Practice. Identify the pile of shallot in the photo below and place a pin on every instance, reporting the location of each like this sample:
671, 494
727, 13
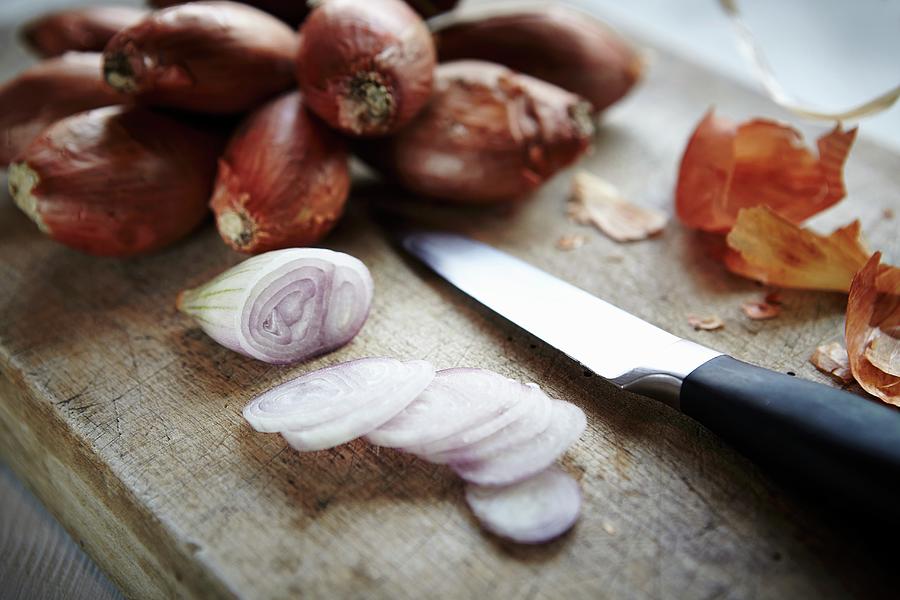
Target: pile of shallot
226, 105
499, 435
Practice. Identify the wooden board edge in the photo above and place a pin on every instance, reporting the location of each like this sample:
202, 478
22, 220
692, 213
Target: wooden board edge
92, 504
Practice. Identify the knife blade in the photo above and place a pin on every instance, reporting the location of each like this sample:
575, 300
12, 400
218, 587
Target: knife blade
818, 436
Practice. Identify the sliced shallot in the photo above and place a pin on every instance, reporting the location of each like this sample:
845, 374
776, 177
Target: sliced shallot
456, 401
284, 306
330, 394
532, 511
522, 460
526, 420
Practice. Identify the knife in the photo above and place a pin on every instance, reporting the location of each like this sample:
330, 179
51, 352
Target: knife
820, 437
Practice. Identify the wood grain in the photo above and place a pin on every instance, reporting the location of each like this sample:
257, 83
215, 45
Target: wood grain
125, 418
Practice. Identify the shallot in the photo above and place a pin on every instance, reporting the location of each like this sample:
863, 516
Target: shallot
284, 306
532, 511
85, 29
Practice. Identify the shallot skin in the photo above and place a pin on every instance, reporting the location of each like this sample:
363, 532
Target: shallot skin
488, 135
48, 91
366, 68
210, 57
560, 45
283, 180
116, 181
86, 29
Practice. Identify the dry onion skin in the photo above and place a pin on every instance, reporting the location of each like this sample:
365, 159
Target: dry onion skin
283, 180
832, 359
284, 306
597, 202
872, 331
209, 57
706, 322
760, 310
768, 248
559, 44
532, 511
727, 167
366, 68
488, 135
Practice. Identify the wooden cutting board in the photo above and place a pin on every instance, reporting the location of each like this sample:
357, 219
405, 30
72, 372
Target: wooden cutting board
125, 418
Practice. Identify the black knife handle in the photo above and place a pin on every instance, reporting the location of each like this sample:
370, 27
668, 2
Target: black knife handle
820, 437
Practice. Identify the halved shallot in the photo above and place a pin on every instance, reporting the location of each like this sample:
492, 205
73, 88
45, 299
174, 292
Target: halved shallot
532, 511
284, 306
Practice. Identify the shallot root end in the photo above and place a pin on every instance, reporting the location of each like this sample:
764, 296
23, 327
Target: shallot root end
22, 181
368, 102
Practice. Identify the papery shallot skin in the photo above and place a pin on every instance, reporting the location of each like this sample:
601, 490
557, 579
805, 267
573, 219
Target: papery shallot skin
366, 68
48, 91
86, 29
283, 180
560, 45
488, 135
117, 181
210, 57
284, 306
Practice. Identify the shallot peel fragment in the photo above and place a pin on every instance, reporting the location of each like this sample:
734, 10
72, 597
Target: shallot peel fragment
488, 135
282, 181
531, 511
560, 45
85, 29
366, 68
117, 181
47, 92
284, 306
210, 57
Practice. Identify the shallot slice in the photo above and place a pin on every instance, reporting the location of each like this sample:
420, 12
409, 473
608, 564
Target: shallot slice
456, 401
528, 418
532, 511
381, 401
517, 462
331, 393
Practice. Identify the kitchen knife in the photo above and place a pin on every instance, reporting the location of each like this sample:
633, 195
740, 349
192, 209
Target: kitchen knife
820, 436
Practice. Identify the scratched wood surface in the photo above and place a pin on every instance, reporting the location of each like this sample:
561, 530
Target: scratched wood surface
125, 418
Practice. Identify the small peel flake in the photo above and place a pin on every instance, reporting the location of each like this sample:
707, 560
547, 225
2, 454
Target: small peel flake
570, 242
760, 310
595, 201
727, 167
832, 359
767, 247
705, 323
872, 330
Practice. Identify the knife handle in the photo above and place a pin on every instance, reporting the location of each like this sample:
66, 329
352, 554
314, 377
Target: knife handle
818, 436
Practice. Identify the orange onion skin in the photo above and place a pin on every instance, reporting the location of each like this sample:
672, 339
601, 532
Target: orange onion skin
283, 179
48, 91
86, 29
209, 57
488, 135
560, 45
118, 181
365, 68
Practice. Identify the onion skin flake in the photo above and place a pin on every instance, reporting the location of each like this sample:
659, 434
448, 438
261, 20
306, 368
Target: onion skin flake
728, 167
284, 306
